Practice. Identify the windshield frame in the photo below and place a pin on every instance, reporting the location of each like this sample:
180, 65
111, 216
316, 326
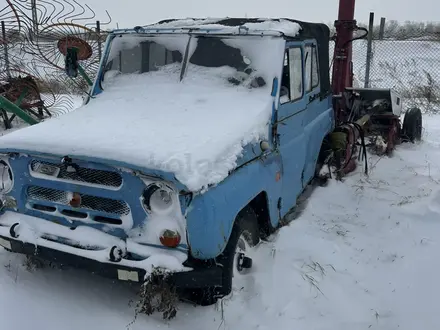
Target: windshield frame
97, 87
104, 61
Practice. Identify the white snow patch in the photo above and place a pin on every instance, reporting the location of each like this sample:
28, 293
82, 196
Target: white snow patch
153, 228
267, 66
130, 41
287, 27
164, 261
31, 229
37, 231
159, 220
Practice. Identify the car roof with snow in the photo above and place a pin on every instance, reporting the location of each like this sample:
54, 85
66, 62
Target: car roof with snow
286, 28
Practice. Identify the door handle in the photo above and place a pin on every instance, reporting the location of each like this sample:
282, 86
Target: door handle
313, 97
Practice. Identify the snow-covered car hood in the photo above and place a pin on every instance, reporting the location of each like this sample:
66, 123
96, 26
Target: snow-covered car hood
195, 129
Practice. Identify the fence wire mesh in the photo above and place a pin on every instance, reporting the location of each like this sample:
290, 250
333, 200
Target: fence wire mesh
406, 58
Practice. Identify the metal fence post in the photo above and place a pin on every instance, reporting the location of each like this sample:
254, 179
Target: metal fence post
382, 28
98, 31
34, 17
5, 49
369, 52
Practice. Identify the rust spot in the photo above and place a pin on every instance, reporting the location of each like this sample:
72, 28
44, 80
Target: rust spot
76, 200
278, 176
85, 51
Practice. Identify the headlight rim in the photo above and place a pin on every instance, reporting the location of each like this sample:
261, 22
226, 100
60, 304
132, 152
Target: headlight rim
149, 192
8, 169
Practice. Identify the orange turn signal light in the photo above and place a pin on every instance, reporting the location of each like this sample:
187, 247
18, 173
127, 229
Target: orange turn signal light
170, 238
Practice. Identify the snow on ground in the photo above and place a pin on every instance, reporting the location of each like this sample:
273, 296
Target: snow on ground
364, 254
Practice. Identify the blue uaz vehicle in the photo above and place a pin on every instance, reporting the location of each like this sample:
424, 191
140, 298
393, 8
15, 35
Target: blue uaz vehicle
196, 141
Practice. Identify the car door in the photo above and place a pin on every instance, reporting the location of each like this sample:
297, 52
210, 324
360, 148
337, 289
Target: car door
315, 118
290, 118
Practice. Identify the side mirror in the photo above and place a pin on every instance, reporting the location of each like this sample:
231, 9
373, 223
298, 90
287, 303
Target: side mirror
71, 62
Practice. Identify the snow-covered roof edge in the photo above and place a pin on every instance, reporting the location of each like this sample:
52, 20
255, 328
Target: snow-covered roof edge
256, 26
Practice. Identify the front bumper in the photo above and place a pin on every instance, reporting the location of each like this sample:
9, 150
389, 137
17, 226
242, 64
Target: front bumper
30, 241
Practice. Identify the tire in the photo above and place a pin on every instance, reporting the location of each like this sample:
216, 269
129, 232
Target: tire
245, 226
412, 126
324, 153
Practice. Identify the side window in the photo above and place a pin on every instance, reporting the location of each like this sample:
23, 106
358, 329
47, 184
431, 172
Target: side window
285, 85
311, 67
315, 68
308, 67
292, 79
295, 70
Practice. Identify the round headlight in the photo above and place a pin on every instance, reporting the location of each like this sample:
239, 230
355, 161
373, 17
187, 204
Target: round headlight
6, 181
158, 199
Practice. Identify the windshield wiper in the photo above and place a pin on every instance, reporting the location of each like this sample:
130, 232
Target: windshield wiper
185, 58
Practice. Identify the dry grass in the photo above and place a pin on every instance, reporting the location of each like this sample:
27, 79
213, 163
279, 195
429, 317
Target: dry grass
156, 295
315, 268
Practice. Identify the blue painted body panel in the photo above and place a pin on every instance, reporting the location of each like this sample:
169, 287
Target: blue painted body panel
95, 162
317, 124
301, 128
290, 128
211, 215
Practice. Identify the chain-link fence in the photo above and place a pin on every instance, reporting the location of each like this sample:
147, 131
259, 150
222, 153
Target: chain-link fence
405, 57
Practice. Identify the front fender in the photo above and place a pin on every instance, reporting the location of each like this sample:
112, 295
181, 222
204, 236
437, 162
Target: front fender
211, 215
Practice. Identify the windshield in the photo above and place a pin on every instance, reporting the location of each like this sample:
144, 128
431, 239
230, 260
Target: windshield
139, 54
235, 60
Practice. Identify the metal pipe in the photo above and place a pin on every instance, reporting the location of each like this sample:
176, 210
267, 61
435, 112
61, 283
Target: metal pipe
98, 31
342, 76
83, 73
346, 10
13, 108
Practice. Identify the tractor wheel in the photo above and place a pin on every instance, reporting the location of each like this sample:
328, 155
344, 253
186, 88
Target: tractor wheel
412, 126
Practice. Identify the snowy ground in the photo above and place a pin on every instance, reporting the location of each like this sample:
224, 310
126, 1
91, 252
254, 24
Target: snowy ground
363, 255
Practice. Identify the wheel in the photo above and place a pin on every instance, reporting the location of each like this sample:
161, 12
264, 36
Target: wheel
412, 126
236, 263
394, 136
323, 160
